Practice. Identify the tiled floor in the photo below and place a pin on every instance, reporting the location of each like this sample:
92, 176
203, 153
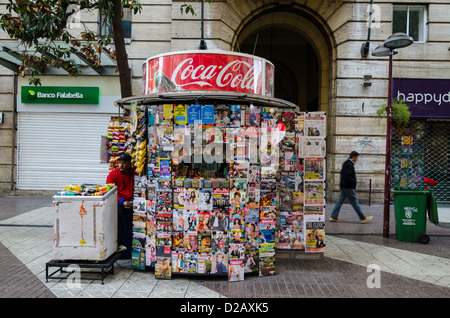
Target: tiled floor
354, 253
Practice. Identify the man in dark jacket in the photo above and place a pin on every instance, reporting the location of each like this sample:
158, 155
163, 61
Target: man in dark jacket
348, 186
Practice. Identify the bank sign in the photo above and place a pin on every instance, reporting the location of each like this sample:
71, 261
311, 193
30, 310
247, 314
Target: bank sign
428, 98
60, 95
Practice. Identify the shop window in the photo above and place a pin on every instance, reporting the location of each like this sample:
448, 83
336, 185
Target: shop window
410, 20
106, 26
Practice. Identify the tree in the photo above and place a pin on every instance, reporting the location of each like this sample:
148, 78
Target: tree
41, 26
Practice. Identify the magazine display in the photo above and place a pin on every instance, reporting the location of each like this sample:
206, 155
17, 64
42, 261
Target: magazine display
223, 186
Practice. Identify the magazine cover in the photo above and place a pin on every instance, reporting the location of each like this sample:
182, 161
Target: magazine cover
150, 253
268, 184
138, 258
177, 261
254, 174
289, 142
314, 193
178, 220
297, 240
253, 196
268, 199
314, 168
190, 242
314, 233
235, 115
236, 236
266, 259
222, 115
314, 209
252, 116
203, 221
219, 263
289, 162
219, 220
204, 241
286, 220
236, 270
313, 147
251, 231
269, 116
178, 241
288, 118
237, 196
219, 242
208, 114
251, 215
190, 262
236, 251
191, 199
221, 197
139, 206
180, 114
163, 269
204, 263
205, 200
267, 231
268, 172
300, 124
315, 124
190, 221
236, 212
297, 221
285, 199
282, 239
140, 186
298, 200
194, 114
267, 212
251, 260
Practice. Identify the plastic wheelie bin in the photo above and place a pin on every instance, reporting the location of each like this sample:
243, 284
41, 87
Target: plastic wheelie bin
411, 214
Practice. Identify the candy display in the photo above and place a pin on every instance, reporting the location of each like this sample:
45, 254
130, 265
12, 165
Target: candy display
85, 190
220, 187
117, 134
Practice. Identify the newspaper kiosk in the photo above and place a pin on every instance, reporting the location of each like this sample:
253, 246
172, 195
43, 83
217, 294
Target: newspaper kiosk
227, 174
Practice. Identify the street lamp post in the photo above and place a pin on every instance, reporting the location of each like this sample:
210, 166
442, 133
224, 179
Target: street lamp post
389, 48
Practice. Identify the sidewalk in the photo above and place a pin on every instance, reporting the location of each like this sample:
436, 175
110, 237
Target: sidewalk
407, 269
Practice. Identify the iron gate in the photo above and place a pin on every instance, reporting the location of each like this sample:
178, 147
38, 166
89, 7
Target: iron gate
422, 150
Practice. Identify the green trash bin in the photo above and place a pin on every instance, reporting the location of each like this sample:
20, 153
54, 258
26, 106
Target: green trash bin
411, 215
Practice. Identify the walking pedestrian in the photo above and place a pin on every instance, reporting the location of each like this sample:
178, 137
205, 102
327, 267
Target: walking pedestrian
348, 190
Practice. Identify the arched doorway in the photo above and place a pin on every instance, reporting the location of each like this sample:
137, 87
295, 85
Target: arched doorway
300, 48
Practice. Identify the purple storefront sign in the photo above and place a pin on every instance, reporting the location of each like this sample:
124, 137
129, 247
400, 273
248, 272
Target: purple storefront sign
425, 97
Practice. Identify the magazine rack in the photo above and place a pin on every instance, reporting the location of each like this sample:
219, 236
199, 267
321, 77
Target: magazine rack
227, 173
285, 203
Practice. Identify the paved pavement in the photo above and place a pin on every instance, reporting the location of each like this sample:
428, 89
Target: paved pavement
358, 263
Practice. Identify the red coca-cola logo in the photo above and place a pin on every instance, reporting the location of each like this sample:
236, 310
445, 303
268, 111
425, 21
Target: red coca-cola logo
207, 71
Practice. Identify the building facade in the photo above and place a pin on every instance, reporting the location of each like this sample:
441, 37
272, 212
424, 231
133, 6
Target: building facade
316, 47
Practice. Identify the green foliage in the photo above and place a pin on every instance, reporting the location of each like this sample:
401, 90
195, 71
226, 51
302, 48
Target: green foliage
187, 8
400, 113
41, 25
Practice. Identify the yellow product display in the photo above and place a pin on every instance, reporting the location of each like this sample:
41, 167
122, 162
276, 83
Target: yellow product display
86, 190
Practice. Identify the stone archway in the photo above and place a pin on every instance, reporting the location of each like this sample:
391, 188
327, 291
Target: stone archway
278, 29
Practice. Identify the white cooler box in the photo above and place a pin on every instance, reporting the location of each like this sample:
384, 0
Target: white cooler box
85, 227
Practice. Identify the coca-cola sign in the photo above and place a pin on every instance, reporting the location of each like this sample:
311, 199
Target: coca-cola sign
208, 70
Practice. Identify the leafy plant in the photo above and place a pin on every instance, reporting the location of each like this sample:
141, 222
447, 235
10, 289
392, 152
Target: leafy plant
41, 26
400, 113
